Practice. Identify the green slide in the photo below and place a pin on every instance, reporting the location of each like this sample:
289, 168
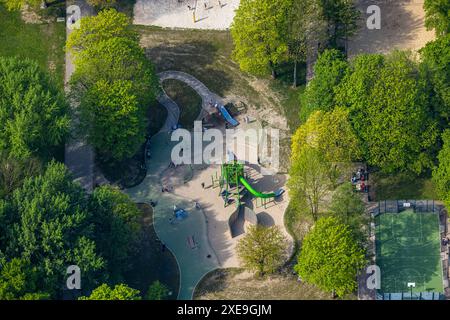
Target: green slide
257, 194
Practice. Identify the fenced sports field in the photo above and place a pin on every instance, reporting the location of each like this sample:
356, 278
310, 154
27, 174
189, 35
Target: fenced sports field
408, 251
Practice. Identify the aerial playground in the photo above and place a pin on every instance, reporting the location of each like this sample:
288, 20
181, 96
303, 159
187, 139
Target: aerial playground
233, 188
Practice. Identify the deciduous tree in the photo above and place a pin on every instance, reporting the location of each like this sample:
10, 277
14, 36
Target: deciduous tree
263, 249
330, 257
119, 292
33, 112
257, 32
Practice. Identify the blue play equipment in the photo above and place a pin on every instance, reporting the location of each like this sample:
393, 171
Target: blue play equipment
233, 122
180, 214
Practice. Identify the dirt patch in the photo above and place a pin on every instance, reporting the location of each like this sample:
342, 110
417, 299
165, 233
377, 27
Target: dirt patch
402, 27
28, 15
236, 284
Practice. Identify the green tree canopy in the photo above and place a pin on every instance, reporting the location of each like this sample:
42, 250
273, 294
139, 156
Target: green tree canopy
263, 249
258, 34
331, 133
342, 17
436, 57
330, 68
310, 180
14, 171
119, 292
117, 59
437, 16
350, 209
18, 281
157, 291
51, 229
441, 173
306, 27
116, 123
106, 25
117, 227
330, 257
391, 110
33, 112
114, 82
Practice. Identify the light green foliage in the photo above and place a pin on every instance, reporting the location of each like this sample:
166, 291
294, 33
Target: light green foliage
51, 228
257, 32
114, 82
119, 292
441, 173
348, 206
330, 68
391, 112
157, 291
331, 133
437, 16
106, 25
18, 281
330, 257
310, 179
17, 4
263, 249
117, 227
117, 123
33, 113
436, 57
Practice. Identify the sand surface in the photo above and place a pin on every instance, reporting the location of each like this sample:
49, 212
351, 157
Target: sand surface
176, 14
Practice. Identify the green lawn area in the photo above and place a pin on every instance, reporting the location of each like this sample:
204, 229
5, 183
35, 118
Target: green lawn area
43, 42
151, 262
188, 100
408, 250
401, 186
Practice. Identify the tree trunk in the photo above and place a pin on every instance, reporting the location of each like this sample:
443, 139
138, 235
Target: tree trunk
294, 85
272, 68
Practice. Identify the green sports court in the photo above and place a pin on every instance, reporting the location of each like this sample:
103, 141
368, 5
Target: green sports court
408, 250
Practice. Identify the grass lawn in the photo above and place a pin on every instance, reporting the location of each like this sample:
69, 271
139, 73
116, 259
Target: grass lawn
151, 262
43, 42
236, 284
401, 186
188, 100
408, 250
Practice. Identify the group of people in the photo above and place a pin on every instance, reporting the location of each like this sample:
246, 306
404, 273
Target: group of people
359, 179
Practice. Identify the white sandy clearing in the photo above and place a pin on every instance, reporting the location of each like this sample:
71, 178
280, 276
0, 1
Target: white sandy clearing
218, 14
402, 27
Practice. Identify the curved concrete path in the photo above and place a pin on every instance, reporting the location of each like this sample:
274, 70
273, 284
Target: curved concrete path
173, 111
193, 263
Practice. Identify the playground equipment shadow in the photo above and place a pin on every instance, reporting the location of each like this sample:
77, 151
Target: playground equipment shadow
187, 239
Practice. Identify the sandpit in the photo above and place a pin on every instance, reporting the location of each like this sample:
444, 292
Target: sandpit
190, 14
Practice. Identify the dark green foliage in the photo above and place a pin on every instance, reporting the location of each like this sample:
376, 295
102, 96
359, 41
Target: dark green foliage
50, 227
330, 68
436, 58
117, 227
33, 113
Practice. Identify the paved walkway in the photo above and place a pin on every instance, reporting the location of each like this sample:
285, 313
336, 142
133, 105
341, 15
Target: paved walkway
173, 111
79, 156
